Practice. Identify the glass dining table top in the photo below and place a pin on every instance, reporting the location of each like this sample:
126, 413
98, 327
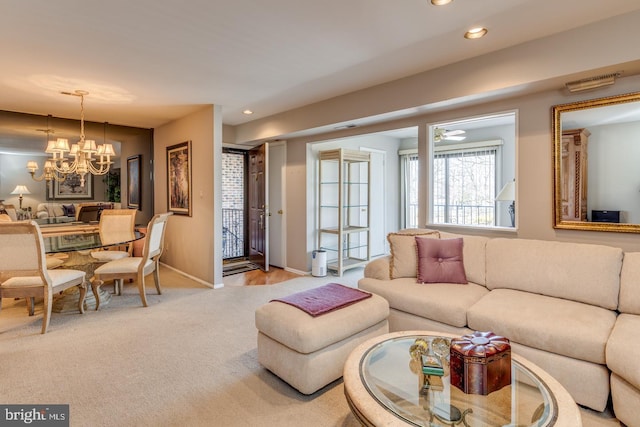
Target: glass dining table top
54, 220
396, 381
72, 241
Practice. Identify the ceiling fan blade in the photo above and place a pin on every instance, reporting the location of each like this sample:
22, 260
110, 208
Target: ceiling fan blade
449, 133
455, 138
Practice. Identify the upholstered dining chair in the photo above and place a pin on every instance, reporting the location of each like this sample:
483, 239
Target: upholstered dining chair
115, 225
23, 272
138, 267
11, 212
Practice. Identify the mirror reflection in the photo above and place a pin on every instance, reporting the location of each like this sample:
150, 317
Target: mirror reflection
24, 137
596, 151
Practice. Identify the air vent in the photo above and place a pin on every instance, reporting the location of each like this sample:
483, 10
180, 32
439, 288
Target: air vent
592, 82
349, 126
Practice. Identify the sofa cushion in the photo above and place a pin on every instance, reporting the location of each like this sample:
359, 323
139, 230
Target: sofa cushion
404, 254
378, 268
573, 271
560, 326
440, 261
55, 210
443, 302
629, 301
623, 348
69, 210
50, 209
474, 254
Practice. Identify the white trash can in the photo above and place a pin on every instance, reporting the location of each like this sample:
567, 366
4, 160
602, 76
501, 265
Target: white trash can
319, 263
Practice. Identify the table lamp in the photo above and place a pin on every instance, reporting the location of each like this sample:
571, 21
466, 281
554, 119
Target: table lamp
508, 194
21, 189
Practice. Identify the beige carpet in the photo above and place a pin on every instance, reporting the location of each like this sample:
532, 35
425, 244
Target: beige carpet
189, 359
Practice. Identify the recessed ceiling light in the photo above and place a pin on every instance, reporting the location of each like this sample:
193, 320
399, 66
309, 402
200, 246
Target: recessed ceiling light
247, 112
476, 33
440, 2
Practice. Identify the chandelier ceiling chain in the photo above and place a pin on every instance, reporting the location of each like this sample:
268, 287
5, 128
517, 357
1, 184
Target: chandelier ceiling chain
57, 167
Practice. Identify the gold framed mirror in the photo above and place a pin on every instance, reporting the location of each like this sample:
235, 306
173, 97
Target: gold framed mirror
596, 158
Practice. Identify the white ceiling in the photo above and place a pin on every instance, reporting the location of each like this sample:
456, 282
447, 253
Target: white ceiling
147, 62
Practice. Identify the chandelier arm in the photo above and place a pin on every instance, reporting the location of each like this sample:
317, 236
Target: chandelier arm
57, 167
40, 178
103, 169
59, 178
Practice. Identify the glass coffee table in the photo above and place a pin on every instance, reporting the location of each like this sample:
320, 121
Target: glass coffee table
384, 385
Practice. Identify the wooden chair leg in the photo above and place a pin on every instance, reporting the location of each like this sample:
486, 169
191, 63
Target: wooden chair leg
31, 305
156, 279
95, 288
141, 289
48, 303
83, 294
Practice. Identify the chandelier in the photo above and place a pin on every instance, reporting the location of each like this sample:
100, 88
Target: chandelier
81, 159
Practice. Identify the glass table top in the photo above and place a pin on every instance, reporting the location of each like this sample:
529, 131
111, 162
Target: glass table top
395, 380
71, 242
55, 220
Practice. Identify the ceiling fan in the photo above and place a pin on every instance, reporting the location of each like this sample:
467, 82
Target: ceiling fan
440, 134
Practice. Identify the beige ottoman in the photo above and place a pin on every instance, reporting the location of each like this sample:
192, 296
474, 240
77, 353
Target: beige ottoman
309, 352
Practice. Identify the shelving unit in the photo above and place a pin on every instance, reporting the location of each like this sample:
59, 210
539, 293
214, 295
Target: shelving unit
343, 212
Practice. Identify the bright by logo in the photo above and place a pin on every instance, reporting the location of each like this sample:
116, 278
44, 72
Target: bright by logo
37, 415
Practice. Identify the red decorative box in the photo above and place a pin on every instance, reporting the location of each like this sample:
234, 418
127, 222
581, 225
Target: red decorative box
480, 363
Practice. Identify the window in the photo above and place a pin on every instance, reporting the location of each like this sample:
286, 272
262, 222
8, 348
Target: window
471, 160
409, 183
464, 183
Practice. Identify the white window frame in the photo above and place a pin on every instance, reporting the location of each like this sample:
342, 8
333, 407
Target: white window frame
431, 147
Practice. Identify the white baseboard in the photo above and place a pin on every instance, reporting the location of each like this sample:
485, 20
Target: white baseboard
300, 272
202, 282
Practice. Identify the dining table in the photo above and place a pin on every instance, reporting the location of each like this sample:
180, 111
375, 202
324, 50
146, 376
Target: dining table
72, 242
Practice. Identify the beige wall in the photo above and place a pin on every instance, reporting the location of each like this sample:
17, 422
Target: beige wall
535, 66
534, 168
194, 244
128, 141
529, 77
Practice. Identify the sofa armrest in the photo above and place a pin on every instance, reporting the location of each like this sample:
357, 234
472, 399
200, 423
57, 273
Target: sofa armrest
378, 269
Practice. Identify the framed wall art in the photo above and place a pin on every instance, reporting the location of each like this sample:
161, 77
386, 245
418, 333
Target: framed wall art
70, 188
179, 178
134, 192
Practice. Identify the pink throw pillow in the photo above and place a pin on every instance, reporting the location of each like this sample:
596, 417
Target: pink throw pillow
440, 261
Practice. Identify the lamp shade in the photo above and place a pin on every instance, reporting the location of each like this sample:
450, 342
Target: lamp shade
21, 189
508, 192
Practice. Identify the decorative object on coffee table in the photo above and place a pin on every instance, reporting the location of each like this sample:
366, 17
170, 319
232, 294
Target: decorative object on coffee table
480, 362
382, 390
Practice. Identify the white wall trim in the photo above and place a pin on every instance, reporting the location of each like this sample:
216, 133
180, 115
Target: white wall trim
300, 272
202, 282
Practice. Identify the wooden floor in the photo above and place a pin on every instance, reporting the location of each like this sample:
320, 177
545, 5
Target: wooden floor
258, 277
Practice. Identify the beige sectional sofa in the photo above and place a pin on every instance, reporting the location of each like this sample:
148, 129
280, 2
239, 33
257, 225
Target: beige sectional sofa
623, 347
66, 210
559, 304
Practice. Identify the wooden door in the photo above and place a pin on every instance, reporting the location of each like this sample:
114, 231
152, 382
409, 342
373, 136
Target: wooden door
258, 207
